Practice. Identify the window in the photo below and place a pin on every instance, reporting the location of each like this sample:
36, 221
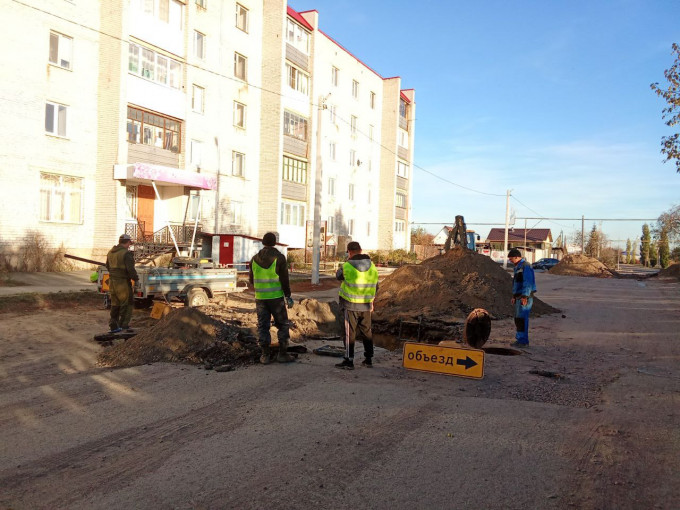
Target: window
402, 169
333, 113
350, 195
399, 226
353, 125
240, 66
193, 207
352, 157
331, 150
196, 153
203, 4
294, 170
239, 115
368, 198
330, 229
368, 229
154, 66
403, 138
235, 212
55, 119
241, 18
402, 108
334, 76
297, 37
331, 186
350, 227
198, 99
153, 129
167, 11
295, 126
238, 164
293, 213
370, 133
297, 80
199, 45
61, 198
372, 101
61, 50
401, 200
355, 89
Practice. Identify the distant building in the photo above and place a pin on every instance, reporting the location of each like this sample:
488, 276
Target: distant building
534, 243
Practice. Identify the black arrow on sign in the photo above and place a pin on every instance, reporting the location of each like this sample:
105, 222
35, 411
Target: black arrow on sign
467, 362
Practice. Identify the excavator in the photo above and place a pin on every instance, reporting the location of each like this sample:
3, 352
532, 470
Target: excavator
459, 236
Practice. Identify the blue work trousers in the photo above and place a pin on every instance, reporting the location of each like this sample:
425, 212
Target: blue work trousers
522, 319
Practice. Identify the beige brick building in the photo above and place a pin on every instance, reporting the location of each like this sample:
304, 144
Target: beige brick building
154, 116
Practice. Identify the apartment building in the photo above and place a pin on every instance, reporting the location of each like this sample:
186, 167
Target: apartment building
153, 117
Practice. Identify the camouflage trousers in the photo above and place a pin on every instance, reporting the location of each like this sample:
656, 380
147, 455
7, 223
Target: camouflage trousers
121, 303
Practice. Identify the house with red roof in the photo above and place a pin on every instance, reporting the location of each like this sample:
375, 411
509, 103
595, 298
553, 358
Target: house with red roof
534, 243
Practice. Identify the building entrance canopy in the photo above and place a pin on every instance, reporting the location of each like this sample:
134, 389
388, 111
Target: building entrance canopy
144, 173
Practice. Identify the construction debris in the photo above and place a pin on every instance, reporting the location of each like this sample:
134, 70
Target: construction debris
581, 265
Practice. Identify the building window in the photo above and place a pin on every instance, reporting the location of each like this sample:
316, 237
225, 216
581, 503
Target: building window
401, 200
330, 229
368, 229
331, 186
334, 76
372, 100
297, 37
293, 213
297, 80
55, 119
355, 89
61, 50
370, 133
350, 194
352, 157
196, 153
61, 198
199, 45
350, 227
295, 126
235, 212
331, 150
239, 115
402, 108
399, 226
402, 169
333, 113
353, 125
368, 198
241, 18
240, 66
203, 4
153, 129
167, 11
238, 164
193, 208
294, 170
403, 138
198, 99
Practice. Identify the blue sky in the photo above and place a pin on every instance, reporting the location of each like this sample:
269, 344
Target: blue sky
547, 98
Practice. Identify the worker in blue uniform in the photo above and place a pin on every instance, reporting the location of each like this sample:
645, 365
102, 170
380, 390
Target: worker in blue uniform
523, 289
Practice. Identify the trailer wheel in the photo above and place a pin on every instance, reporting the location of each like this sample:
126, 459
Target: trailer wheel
197, 297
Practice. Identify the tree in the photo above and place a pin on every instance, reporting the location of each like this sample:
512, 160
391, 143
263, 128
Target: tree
629, 249
593, 242
421, 236
644, 245
670, 222
664, 249
670, 145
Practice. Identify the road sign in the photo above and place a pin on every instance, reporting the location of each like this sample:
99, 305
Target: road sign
460, 361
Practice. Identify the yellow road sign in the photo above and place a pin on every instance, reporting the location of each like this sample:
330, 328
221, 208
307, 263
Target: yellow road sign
460, 361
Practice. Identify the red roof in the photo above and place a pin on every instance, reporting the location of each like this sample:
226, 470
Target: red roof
516, 235
296, 16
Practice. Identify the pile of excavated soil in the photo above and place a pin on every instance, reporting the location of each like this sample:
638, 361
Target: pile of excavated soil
184, 335
672, 271
447, 288
581, 265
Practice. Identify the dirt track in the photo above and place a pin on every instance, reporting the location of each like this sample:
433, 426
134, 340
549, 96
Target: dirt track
601, 433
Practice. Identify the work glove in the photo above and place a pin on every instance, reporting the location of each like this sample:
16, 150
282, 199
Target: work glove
289, 302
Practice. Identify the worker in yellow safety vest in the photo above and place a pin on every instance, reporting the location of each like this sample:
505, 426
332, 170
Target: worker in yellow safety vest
357, 291
269, 277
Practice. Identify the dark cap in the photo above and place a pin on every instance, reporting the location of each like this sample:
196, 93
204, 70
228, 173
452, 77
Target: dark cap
124, 239
514, 253
269, 239
353, 246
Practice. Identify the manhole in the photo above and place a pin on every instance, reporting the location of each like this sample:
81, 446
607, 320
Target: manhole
501, 351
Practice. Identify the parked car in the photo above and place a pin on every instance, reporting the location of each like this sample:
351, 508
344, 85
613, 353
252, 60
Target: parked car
544, 263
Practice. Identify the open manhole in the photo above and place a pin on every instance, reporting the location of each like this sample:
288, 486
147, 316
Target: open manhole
501, 351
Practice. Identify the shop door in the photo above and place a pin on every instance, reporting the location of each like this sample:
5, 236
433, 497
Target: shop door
226, 250
145, 204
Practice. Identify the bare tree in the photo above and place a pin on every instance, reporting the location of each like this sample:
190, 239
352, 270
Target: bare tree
670, 145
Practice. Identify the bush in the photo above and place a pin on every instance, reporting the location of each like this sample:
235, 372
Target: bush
34, 254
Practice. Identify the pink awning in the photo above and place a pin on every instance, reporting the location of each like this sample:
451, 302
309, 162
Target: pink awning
165, 175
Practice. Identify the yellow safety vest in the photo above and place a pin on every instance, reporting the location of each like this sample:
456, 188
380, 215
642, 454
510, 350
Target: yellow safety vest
266, 281
358, 286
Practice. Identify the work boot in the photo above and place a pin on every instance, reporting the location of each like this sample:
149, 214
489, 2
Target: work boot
345, 364
265, 358
283, 356
368, 362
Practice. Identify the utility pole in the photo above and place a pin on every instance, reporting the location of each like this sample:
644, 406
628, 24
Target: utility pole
316, 240
583, 234
507, 223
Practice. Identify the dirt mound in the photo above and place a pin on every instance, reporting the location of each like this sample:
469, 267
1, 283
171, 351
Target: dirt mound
671, 271
581, 265
447, 288
184, 335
